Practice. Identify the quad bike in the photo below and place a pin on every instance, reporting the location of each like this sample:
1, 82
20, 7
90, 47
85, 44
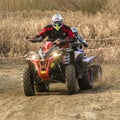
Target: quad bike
56, 64
50, 64
86, 71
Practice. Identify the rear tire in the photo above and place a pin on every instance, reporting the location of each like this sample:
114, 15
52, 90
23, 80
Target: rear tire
86, 82
70, 76
28, 83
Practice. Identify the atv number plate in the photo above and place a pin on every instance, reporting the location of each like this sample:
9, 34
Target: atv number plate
66, 59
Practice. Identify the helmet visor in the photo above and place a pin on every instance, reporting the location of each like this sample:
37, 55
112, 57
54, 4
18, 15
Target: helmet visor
57, 24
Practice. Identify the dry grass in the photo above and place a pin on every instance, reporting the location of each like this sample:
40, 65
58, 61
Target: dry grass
15, 26
64, 5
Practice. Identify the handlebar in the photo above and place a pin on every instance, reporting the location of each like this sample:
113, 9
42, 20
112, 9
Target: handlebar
58, 41
33, 40
29, 39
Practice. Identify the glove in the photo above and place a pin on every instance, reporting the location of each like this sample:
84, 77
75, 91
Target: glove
57, 42
85, 44
60, 42
63, 42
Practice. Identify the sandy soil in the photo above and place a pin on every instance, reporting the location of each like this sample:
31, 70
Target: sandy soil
100, 103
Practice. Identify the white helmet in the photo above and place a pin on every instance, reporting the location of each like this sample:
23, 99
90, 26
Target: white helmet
57, 21
75, 31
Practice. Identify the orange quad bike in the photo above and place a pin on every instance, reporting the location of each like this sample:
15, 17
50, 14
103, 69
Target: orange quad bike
50, 64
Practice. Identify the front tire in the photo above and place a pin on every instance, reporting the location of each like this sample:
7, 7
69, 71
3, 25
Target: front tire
28, 83
70, 76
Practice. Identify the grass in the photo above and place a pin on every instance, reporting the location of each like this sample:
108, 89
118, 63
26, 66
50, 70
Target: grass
16, 24
62, 5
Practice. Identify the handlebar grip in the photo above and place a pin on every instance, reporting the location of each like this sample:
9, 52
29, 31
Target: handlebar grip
85, 44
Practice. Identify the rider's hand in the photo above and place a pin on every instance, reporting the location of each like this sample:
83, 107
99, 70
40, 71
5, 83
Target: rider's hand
63, 42
85, 44
58, 42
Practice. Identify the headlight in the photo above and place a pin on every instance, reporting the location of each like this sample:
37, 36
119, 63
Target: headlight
35, 57
32, 55
55, 54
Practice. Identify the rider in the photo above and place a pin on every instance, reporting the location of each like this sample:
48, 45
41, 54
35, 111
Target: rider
81, 67
79, 39
56, 30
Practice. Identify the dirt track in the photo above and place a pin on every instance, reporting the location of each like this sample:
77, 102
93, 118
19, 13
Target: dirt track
100, 103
